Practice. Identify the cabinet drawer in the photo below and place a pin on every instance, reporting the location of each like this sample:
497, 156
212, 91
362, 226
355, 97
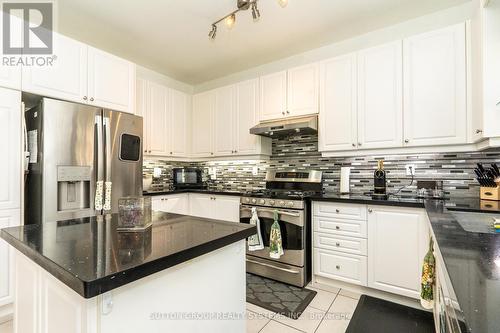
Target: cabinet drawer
351, 228
340, 210
351, 245
340, 266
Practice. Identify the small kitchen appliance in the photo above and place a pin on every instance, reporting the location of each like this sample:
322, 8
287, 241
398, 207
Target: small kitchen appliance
285, 194
187, 178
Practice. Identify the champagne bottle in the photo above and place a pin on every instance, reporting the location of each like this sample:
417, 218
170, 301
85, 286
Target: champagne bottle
379, 180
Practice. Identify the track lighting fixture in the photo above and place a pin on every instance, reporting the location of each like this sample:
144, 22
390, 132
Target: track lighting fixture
213, 32
230, 19
255, 11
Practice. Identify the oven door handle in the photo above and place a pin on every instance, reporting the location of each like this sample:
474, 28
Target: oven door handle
280, 212
274, 267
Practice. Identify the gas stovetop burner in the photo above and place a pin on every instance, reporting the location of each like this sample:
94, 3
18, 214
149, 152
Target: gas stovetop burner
267, 193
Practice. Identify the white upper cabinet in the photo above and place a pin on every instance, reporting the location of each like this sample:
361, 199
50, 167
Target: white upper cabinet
158, 112
338, 115
303, 90
273, 96
233, 110
10, 76
203, 127
224, 121
435, 88
111, 81
246, 116
289, 93
67, 78
380, 100
10, 148
166, 114
179, 123
83, 74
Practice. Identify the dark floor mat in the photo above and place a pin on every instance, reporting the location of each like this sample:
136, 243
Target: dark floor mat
278, 297
373, 315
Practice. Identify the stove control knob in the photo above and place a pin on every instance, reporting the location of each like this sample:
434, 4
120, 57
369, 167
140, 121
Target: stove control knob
271, 202
290, 204
262, 201
281, 203
254, 201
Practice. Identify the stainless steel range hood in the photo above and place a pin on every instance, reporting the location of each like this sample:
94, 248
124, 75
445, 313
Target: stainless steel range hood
286, 127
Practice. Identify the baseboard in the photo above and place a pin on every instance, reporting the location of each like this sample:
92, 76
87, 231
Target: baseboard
331, 285
6, 313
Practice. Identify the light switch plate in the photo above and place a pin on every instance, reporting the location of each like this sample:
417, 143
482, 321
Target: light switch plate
255, 170
157, 172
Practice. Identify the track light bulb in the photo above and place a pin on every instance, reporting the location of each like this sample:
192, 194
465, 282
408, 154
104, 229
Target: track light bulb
230, 20
283, 3
255, 12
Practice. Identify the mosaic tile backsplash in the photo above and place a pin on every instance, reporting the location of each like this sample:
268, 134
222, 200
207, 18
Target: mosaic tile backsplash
301, 152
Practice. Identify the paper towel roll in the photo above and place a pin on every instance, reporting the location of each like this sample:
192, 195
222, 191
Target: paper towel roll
345, 173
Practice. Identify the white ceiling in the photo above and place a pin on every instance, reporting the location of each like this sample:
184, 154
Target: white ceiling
170, 36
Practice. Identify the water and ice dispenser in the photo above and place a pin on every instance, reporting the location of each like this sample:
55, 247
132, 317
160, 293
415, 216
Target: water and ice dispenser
73, 187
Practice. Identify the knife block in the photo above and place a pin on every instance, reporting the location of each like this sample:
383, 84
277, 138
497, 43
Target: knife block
490, 193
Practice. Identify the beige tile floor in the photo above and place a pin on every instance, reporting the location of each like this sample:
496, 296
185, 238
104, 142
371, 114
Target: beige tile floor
328, 312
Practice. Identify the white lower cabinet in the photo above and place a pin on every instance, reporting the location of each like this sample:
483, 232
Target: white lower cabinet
8, 218
173, 203
218, 207
340, 266
380, 247
398, 240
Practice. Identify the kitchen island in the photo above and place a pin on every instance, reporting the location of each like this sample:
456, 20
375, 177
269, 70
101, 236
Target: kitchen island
183, 274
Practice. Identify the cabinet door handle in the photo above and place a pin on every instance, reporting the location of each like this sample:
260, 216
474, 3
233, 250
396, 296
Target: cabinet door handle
360, 144
406, 140
84, 98
283, 112
91, 99
479, 131
337, 227
287, 112
354, 145
370, 210
498, 103
337, 267
337, 211
337, 244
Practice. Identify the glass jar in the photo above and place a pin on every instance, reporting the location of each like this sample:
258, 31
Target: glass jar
134, 212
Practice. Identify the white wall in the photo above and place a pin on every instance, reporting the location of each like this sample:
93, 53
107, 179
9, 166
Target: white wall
150, 75
415, 26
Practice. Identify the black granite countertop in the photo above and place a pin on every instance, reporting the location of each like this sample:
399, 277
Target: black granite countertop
472, 261
91, 257
203, 191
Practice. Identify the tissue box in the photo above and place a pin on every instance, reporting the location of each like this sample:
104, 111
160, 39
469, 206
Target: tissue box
134, 213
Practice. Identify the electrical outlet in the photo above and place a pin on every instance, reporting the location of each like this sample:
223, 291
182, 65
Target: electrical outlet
255, 171
410, 169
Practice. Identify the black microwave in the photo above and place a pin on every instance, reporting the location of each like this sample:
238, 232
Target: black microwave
187, 178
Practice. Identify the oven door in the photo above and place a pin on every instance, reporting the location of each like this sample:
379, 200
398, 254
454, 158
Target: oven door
292, 225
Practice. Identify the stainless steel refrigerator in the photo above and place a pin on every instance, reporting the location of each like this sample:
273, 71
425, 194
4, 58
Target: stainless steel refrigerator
82, 160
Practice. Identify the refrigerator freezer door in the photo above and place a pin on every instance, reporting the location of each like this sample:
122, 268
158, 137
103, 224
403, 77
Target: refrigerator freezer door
123, 151
69, 155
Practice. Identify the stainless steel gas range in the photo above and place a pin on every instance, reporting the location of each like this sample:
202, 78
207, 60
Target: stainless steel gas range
286, 192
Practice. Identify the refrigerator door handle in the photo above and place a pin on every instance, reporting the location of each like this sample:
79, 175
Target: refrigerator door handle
107, 149
99, 163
